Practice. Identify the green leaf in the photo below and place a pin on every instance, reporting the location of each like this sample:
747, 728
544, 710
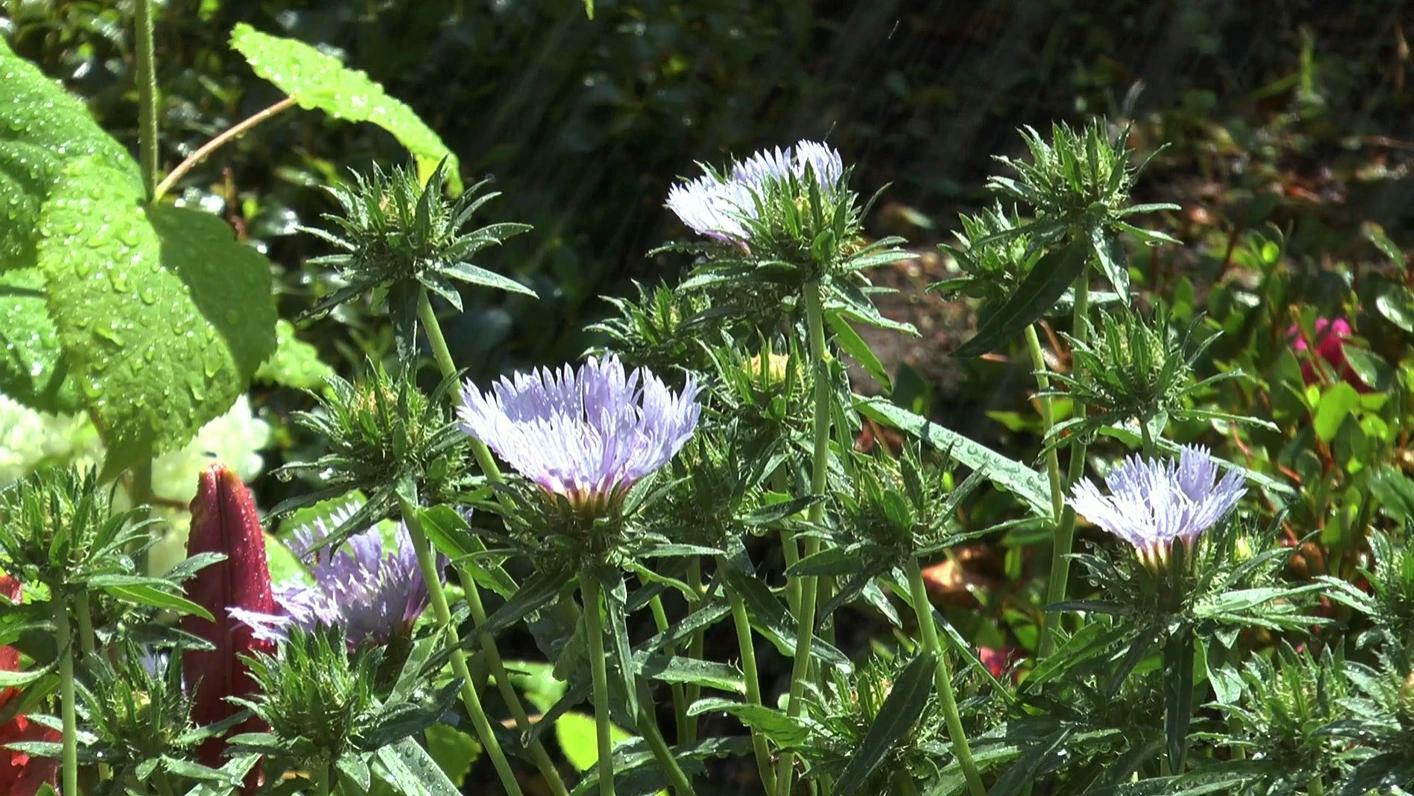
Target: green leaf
900, 711
1396, 303
1178, 697
709, 674
410, 769
575, 732
455, 751
1034, 297
285, 566
783, 730
854, 346
1109, 253
295, 363
1335, 405
163, 316
32, 368
45, 128
320, 82
1027, 484
153, 597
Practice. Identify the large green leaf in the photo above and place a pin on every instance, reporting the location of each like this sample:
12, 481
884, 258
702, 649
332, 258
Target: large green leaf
31, 368
320, 82
1006, 473
1034, 297
44, 128
163, 316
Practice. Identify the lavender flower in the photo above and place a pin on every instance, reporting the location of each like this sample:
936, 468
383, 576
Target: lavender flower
1154, 502
371, 595
720, 206
586, 435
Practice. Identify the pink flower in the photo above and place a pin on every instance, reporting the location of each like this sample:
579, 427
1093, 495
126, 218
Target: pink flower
999, 659
1330, 345
224, 520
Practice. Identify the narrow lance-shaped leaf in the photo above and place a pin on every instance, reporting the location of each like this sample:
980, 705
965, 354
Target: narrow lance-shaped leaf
901, 709
1035, 296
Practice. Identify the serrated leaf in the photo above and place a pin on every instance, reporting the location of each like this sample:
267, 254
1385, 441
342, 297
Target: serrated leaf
32, 370
1027, 484
900, 711
163, 316
321, 82
406, 766
774, 724
1034, 297
295, 363
45, 128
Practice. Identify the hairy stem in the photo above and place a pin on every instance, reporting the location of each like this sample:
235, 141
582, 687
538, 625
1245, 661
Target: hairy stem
747, 646
942, 678
1065, 530
147, 97
427, 562
230, 134
819, 463
594, 633
64, 640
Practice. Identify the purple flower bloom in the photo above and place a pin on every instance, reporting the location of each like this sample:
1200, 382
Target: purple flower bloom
1152, 503
587, 435
371, 595
718, 206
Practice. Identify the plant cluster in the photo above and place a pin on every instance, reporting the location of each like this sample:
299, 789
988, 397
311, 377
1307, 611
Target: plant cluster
700, 473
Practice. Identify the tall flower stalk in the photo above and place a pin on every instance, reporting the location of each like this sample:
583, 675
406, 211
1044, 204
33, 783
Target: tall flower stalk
1064, 540
442, 355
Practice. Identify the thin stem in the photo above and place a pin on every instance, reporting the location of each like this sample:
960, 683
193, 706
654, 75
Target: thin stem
1149, 446
1048, 421
660, 620
204, 151
321, 779
819, 463
448, 368
648, 728
942, 678
147, 97
438, 598
747, 646
85, 619
695, 646
543, 763
594, 632
64, 640
1065, 531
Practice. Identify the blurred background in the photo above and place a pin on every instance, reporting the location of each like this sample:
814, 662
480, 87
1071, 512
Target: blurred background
1289, 142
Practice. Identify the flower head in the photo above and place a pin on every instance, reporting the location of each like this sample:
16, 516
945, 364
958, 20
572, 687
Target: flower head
371, 593
586, 435
1153, 502
719, 206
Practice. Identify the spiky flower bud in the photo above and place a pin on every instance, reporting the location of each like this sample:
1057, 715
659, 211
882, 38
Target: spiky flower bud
396, 233
992, 256
655, 331
382, 431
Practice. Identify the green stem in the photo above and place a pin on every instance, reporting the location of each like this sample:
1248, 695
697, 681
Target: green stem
64, 640
1065, 531
819, 463
1149, 447
695, 647
648, 728
438, 598
1048, 421
164, 784
747, 646
594, 632
1317, 787
904, 784
85, 619
660, 620
543, 763
147, 97
321, 779
448, 368
942, 678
